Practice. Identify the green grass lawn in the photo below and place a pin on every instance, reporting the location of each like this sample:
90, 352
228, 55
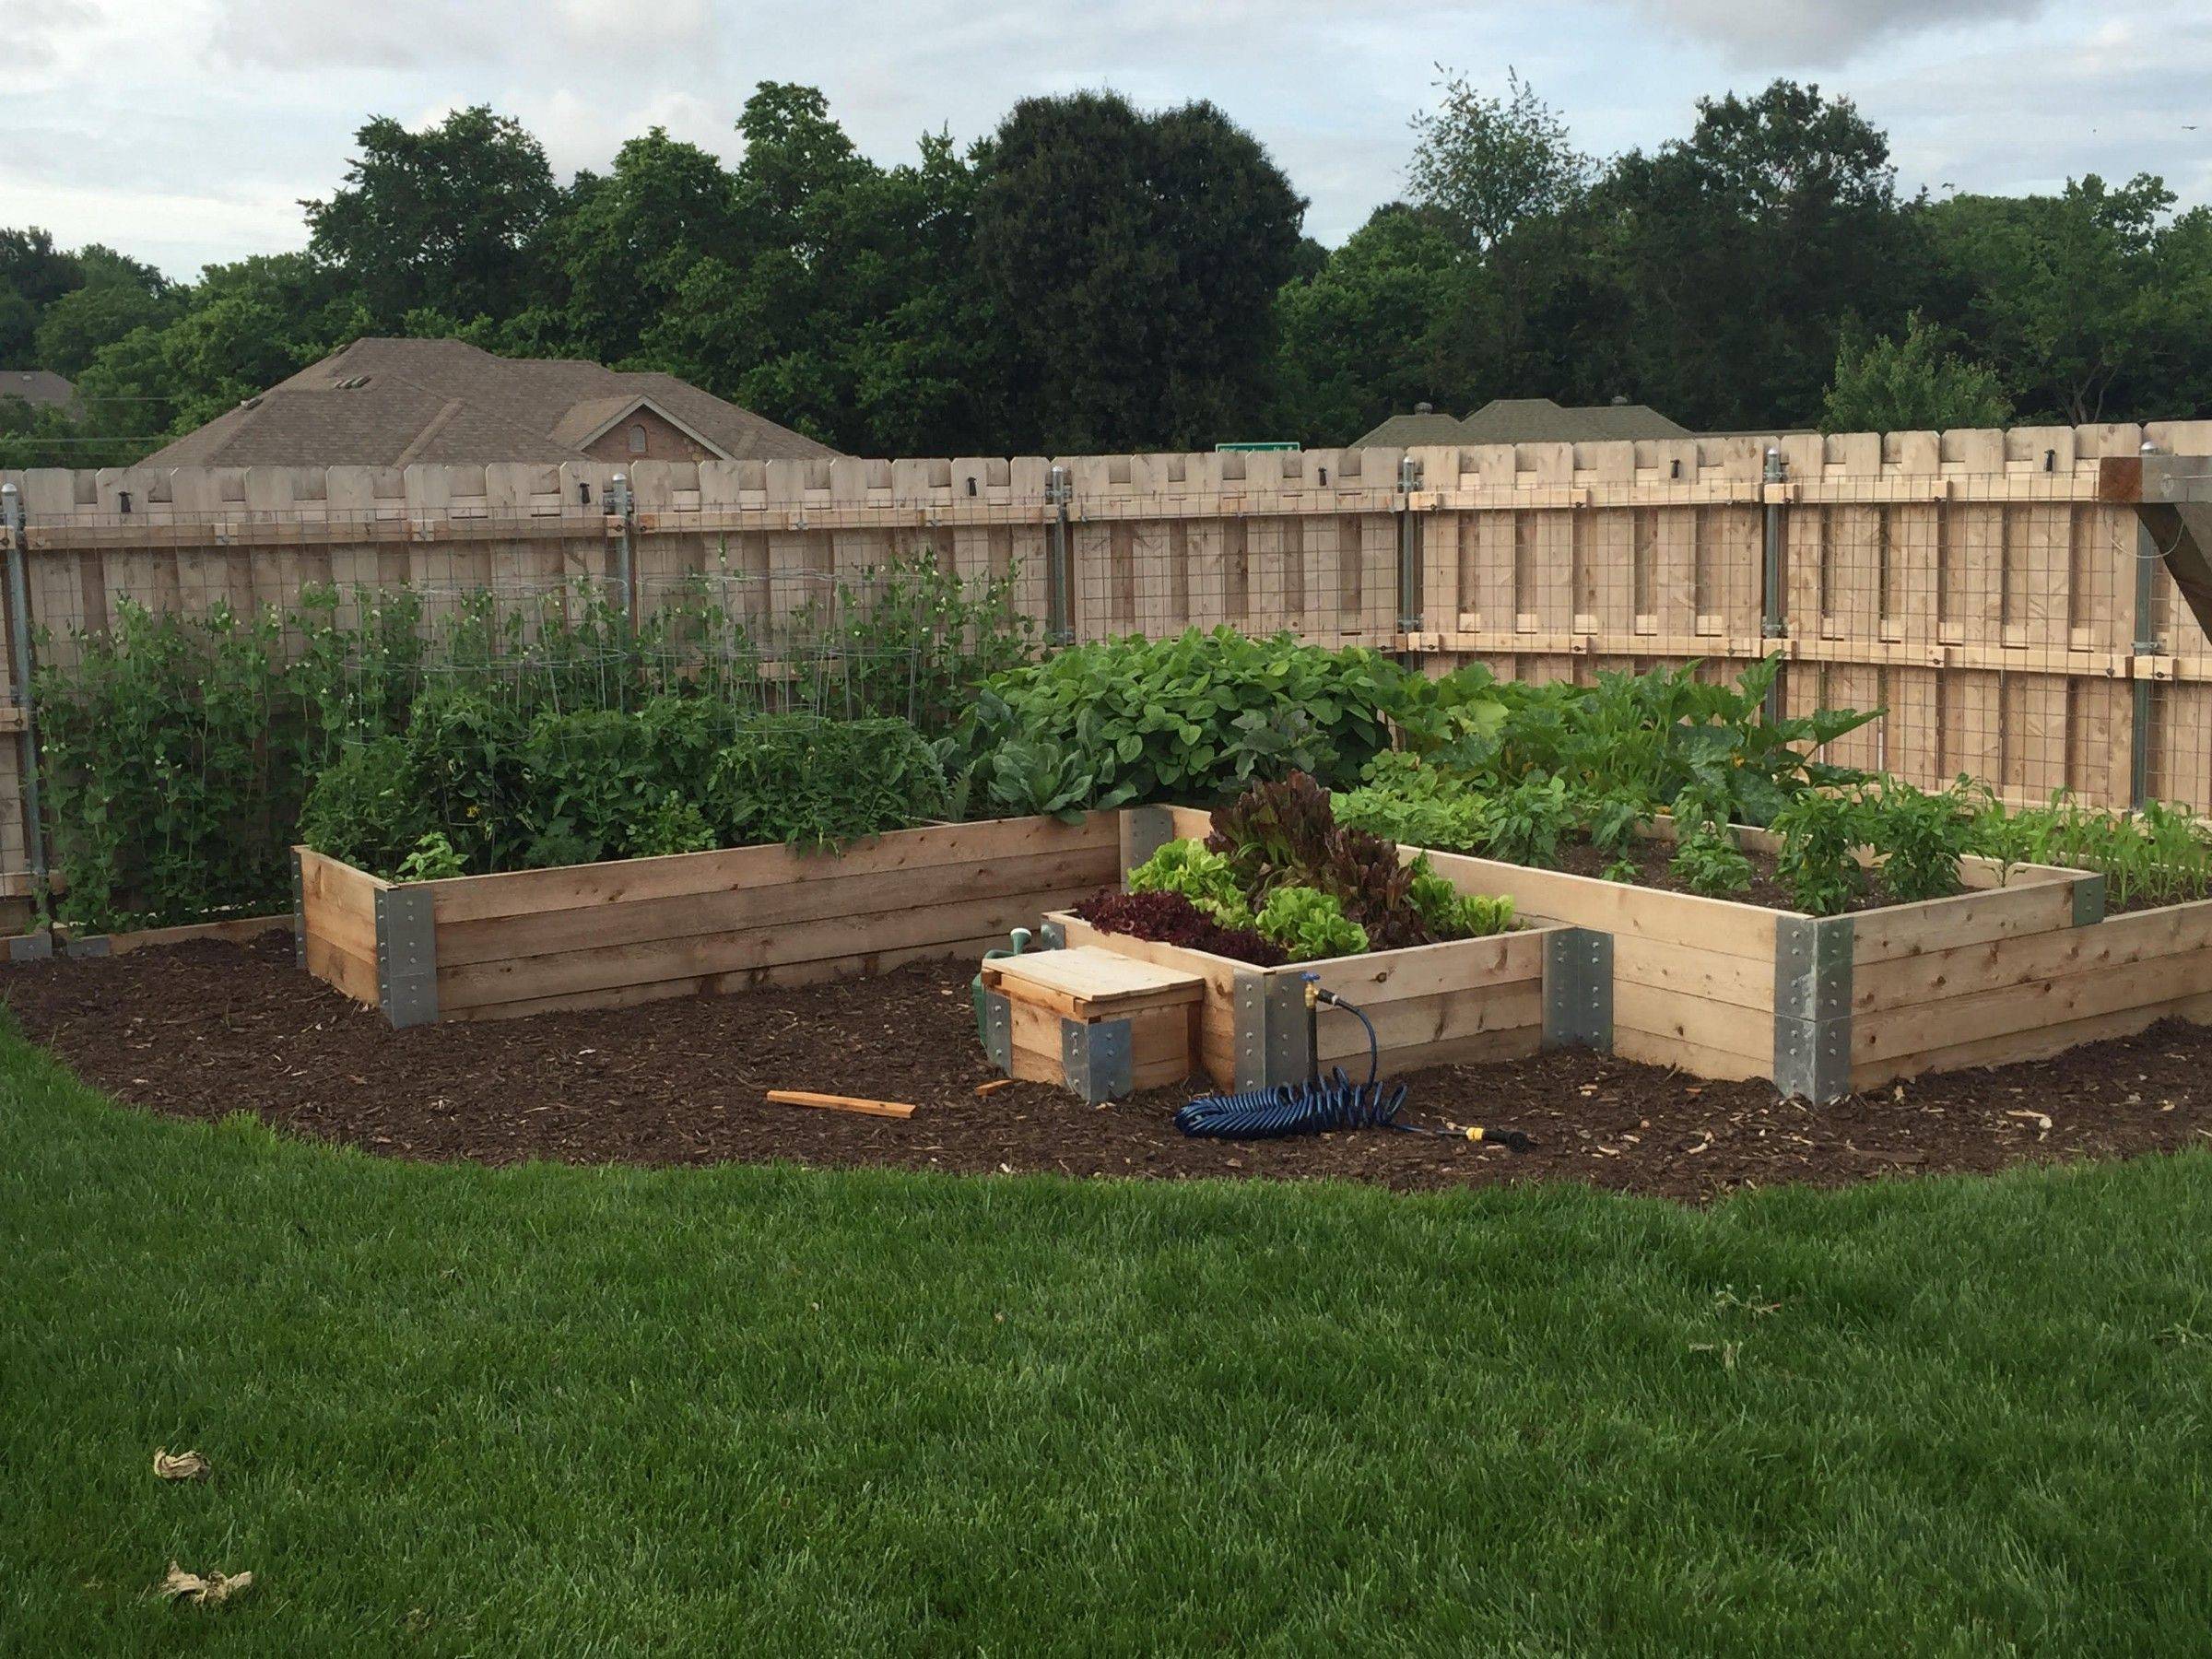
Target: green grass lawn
569, 1411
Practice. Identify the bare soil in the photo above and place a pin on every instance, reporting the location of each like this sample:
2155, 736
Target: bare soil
203, 1029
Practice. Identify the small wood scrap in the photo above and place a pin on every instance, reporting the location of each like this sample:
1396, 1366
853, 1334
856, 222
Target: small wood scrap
837, 1102
993, 1086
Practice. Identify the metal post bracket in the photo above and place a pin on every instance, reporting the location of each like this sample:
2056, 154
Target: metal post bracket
406, 956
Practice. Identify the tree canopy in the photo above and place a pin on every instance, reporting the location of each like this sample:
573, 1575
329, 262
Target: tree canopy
1093, 276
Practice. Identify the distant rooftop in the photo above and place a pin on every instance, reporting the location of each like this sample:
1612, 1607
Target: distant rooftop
1525, 420
383, 402
41, 388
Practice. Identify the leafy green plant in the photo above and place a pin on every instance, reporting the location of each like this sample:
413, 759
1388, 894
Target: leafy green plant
1194, 718
1648, 736
170, 752
1708, 861
918, 637
1204, 877
369, 807
1528, 822
1284, 834
670, 825
1024, 776
1822, 833
818, 784
1918, 839
1309, 924
1416, 804
433, 859
1452, 915
2161, 852
1614, 823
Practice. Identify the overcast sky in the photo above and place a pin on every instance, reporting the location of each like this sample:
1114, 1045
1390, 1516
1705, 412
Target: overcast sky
185, 130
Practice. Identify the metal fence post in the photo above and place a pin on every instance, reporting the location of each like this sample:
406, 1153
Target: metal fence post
2146, 643
1059, 571
1409, 548
1774, 617
622, 505
27, 733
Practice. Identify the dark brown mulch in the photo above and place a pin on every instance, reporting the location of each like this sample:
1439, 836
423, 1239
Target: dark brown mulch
204, 1030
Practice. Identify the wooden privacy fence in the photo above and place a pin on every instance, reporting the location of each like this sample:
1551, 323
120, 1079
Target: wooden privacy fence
1973, 583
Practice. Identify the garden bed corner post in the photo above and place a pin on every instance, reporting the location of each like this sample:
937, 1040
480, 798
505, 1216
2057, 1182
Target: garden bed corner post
1812, 1008
1270, 1014
1145, 829
1578, 989
406, 956
298, 913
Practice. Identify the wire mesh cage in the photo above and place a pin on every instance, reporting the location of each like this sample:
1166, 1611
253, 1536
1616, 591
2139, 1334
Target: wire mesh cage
793, 643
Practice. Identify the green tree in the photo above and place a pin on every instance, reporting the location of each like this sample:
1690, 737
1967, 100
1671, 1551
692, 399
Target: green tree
1133, 260
33, 275
624, 243
845, 302
1378, 328
2088, 302
1726, 263
1487, 162
246, 327
1909, 382
118, 295
447, 218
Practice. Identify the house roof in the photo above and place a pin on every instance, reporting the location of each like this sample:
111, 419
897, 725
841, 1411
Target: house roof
382, 402
1540, 420
1527, 420
41, 388
1411, 431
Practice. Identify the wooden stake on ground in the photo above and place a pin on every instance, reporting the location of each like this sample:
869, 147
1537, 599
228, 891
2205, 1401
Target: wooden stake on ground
835, 1103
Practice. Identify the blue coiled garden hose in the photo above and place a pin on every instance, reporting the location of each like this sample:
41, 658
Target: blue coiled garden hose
1320, 1104
1313, 1107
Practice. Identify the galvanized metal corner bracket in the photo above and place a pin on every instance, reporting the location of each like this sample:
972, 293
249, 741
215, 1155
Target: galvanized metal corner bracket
1098, 1059
299, 913
406, 956
998, 1029
1270, 1029
1812, 1007
1145, 829
2088, 900
1578, 989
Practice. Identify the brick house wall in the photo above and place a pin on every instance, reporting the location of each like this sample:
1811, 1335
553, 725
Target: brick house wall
662, 441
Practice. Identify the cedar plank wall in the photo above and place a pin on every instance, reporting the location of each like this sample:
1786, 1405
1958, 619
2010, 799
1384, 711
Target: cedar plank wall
1980, 595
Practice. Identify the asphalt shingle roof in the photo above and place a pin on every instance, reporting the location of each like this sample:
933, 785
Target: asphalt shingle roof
1527, 420
39, 387
382, 402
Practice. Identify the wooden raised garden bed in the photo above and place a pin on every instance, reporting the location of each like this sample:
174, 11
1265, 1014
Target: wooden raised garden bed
612, 934
2018, 966
1449, 1004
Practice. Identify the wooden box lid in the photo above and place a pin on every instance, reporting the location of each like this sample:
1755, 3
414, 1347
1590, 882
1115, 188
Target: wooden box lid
1086, 983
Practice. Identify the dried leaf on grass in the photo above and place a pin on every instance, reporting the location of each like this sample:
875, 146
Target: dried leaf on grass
182, 1586
184, 1466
